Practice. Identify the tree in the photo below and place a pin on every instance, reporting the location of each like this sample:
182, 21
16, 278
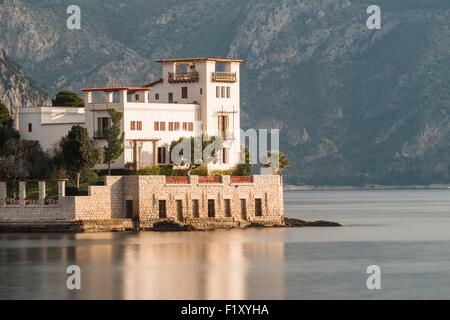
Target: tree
67, 98
244, 169
283, 162
78, 152
21, 159
5, 118
114, 139
6, 126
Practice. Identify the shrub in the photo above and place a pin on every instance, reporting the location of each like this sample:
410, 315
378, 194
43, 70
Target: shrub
167, 170
92, 178
150, 171
222, 173
200, 171
243, 170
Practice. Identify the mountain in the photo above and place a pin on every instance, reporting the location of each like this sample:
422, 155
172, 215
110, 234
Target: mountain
354, 106
16, 90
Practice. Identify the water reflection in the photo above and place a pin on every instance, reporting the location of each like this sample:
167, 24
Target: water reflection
204, 265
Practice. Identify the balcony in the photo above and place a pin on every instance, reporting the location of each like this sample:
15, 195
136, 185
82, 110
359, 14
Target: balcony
180, 77
224, 77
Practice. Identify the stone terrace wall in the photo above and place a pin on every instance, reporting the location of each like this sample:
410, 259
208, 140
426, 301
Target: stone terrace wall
102, 202
62, 211
108, 202
269, 189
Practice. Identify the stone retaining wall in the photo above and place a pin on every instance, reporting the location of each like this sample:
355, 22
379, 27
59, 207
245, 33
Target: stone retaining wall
108, 204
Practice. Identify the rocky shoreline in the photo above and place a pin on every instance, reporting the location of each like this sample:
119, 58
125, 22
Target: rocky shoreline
297, 223
121, 225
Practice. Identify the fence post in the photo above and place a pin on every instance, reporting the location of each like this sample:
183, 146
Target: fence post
22, 192
42, 193
3, 194
61, 189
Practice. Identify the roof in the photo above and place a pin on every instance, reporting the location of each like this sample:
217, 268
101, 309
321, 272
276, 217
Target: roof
187, 60
151, 84
110, 89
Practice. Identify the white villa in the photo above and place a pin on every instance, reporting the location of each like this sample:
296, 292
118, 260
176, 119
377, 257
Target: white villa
195, 96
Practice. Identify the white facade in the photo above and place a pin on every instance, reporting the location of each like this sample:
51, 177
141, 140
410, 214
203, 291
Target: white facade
194, 97
48, 124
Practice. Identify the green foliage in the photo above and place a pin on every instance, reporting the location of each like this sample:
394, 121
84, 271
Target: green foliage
92, 178
243, 170
199, 171
150, 171
283, 162
222, 173
67, 98
114, 139
163, 170
78, 152
5, 118
22, 159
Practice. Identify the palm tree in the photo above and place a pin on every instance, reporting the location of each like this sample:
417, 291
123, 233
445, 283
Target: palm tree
283, 162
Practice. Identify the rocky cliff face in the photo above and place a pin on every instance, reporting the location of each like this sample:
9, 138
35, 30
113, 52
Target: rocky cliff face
353, 105
16, 90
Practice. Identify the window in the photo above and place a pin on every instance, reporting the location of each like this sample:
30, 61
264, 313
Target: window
161, 155
217, 92
136, 97
224, 158
184, 92
160, 126
243, 209
223, 124
223, 92
201, 91
177, 126
185, 126
191, 126
102, 124
228, 92
128, 209
171, 126
170, 97
195, 209
162, 209
30, 127
180, 210
156, 96
136, 125
227, 208
258, 207
211, 208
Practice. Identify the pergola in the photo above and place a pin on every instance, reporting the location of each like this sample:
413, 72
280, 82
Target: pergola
137, 144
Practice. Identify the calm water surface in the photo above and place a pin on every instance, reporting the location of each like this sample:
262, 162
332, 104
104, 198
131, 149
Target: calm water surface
406, 233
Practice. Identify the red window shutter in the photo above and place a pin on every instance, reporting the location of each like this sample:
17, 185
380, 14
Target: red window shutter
170, 126
185, 126
156, 126
132, 125
177, 126
139, 125
162, 126
191, 126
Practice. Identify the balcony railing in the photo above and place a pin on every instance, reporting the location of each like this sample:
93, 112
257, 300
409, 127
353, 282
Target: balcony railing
183, 77
224, 77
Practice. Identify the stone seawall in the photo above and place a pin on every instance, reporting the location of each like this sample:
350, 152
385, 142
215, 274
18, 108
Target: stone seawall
138, 202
